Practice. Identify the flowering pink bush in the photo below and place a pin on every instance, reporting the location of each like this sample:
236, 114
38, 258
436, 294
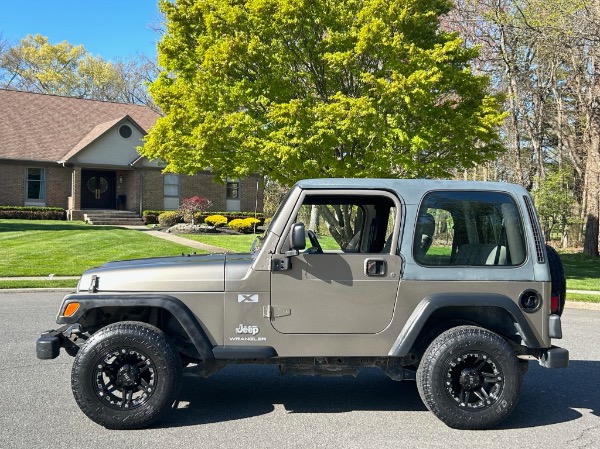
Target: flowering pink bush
191, 206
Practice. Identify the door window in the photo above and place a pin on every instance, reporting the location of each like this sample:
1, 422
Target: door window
349, 223
97, 185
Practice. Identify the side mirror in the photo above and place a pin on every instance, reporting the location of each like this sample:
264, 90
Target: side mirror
297, 242
297, 237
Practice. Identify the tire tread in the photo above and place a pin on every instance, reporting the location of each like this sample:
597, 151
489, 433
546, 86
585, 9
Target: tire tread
431, 390
169, 361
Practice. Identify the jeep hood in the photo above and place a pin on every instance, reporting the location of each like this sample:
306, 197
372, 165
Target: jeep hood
185, 273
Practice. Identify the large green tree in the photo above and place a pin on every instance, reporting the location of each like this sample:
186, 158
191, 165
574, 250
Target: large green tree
311, 88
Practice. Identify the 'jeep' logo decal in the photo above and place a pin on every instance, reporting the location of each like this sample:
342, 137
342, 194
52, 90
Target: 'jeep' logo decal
247, 298
243, 329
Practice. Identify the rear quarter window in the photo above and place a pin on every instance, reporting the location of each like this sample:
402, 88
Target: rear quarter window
469, 228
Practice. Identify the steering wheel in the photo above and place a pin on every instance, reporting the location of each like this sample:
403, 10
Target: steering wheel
314, 242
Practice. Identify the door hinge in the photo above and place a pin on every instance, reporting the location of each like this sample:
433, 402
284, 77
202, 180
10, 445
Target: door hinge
275, 311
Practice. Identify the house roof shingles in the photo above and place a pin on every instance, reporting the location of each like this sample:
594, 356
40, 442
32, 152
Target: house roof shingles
40, 127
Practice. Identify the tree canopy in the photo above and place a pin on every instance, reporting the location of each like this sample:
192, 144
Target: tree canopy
311, 88
36, 65
543, 54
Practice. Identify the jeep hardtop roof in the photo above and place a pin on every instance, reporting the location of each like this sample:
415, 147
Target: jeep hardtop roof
408, 188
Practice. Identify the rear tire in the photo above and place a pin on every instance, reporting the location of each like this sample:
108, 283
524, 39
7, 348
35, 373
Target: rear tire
469, 378
126, 376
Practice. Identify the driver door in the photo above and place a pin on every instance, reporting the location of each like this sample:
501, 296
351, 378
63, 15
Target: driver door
351, 286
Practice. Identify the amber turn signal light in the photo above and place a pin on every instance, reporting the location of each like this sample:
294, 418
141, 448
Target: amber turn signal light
71, 308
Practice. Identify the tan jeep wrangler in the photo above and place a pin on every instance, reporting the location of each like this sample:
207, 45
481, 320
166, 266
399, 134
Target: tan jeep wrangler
447, 283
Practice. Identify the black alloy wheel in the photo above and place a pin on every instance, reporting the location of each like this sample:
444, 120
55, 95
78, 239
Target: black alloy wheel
124, 379
473, 380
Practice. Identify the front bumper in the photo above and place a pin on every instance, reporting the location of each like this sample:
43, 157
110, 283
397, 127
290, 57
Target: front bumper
48, 346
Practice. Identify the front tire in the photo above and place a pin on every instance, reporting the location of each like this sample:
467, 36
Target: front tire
126, 376
469, 377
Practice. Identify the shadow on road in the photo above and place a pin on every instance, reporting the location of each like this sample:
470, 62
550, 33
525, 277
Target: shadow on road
554, 396
243, 391
237, 392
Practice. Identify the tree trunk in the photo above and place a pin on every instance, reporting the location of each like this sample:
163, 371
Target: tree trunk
592, 194
592, 176
314, 219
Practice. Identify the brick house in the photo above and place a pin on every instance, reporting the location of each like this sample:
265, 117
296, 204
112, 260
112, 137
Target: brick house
81, 155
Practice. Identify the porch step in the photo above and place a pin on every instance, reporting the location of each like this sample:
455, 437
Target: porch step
112, 218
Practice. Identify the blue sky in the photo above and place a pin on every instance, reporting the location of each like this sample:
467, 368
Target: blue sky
107, 28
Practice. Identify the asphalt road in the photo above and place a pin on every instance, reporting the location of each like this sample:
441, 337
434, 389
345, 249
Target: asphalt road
254, 407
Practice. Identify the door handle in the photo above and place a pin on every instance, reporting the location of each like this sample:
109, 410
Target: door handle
375, 267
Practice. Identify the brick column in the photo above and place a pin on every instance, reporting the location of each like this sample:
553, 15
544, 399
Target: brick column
76, 188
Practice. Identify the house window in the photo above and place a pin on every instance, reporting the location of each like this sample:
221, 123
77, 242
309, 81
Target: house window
232, 198
35, 187
171, 192
233, 190
125, 131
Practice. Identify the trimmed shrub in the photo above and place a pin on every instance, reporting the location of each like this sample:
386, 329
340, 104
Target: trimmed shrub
32, 213
193, 208
245, 225
150, 219
216, 220
199, 217
168, 219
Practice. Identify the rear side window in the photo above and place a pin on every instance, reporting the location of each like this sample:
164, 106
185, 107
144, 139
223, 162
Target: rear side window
469, 228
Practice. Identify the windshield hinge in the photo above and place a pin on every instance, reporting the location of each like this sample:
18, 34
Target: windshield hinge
93, 288
281, 264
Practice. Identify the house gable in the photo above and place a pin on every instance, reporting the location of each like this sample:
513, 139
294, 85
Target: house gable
109, 144
40, 127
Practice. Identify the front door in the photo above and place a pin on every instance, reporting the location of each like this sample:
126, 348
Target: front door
98, 189
347, 282
335, 294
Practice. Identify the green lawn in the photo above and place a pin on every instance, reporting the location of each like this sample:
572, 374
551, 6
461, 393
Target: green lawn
67, 248
582, 272
62, 283
582, 297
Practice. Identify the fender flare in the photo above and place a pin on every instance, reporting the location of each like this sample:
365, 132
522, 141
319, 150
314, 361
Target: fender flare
430, 304
169, 303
